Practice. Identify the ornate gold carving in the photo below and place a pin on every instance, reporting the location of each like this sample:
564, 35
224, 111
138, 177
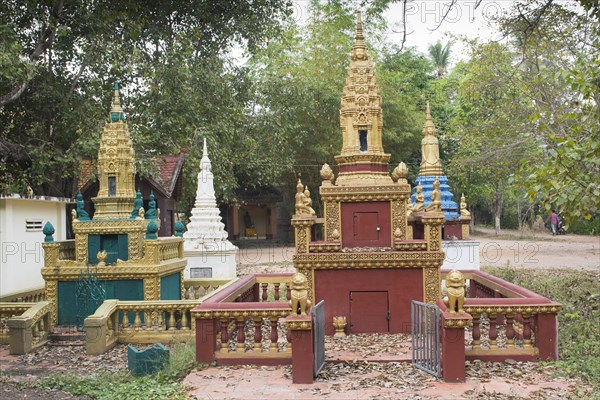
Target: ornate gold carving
339, 324
365, 193
466, 233
434, 237
529, 309
399, 219
101, 256
458, 322
400, 173
455, 283
324, 247
227, 315
116, 161
390, 259
431, 285
152, 288
51, 295
298, 325
410, 246
299, 301
327, 175
332, 221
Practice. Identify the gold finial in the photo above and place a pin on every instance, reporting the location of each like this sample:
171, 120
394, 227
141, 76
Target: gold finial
327, 174
359, 50
429, 128
116, 111
339, 323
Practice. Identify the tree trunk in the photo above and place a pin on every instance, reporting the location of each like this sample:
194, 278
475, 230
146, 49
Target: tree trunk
497, 208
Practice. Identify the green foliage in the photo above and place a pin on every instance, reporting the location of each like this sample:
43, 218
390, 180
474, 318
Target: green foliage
121, 385
579, 319
65, 55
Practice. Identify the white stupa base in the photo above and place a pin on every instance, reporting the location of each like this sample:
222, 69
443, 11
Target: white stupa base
460, 254
211, 262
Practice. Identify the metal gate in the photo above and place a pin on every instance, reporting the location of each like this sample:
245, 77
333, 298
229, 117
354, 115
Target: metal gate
318, 313
426, 349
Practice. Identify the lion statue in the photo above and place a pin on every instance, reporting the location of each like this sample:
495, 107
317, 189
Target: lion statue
299, 302
455, 283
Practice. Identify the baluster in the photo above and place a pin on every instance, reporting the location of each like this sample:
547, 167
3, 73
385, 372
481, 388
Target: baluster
274, 335
137, 321
42, 325
277, 291
224, 335
241, 334
493, 331
257, 333
288, 291
184, 320
36, 332
510, 331
264, 294
125, 320
172, 321
527, 331
476, 331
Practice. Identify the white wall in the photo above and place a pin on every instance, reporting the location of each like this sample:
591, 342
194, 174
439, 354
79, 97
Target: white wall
21, 253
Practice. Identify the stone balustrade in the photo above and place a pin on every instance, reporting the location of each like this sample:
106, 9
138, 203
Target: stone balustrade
148, 321
9, 310
66, 251
508, 321
274, 287
245, 322
200, 287
30, 330
28, 296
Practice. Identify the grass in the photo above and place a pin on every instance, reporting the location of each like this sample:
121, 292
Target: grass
165, 384
578, 321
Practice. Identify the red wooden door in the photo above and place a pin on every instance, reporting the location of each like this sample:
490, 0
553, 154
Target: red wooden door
369, 312
366, 224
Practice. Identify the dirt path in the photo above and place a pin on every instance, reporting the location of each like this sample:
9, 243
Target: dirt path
541, 250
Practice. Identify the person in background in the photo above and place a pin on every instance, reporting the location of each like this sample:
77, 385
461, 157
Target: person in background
553, 220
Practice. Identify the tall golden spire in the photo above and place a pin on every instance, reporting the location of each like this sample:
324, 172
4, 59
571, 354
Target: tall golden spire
362, 160
116, 167
430, 149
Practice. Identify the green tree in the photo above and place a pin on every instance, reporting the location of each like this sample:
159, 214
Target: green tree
440, 56
61, 57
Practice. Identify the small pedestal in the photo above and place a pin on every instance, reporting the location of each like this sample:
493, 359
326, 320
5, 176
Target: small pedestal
453, 346
303, 351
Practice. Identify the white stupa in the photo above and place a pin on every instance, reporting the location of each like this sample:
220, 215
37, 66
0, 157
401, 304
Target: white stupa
206, 247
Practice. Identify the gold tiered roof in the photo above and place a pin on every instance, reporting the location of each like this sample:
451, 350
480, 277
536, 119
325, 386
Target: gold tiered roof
116, 167
362, 159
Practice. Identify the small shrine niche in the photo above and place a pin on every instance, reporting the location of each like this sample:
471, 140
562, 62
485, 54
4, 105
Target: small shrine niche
362, 138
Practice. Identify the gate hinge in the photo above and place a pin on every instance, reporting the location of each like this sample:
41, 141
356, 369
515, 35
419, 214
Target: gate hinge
388, 316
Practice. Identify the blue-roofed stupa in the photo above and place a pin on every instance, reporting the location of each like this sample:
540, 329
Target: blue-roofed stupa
431, 168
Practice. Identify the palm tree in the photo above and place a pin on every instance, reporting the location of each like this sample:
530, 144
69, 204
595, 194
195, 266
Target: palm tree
440, 55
